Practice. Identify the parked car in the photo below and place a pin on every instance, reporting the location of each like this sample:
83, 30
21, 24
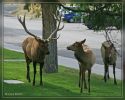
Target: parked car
72, 17
69, 17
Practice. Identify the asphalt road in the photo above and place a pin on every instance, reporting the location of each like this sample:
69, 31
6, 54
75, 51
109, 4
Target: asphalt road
14, 34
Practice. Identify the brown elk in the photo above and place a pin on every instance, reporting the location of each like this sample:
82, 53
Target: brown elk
109, 57
86, 60
35, 49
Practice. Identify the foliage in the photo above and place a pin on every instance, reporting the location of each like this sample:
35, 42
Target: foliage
92, 1
34, 9
100, 15
97, 15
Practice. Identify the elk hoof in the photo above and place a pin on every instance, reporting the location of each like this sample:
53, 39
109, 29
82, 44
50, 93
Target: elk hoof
41, 84
33, 83
89, 90
29, 80
81, 91
115, 83
79, 85
85, 87
105, 80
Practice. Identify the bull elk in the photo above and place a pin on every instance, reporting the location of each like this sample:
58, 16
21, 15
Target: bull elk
35, 49
86, 60
109, 57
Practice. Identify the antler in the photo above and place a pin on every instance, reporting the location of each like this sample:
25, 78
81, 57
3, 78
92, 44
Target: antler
24, 25
57, 28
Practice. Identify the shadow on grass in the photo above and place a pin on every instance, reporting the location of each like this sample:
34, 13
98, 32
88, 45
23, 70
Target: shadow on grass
50, 90
27, 90
56, 90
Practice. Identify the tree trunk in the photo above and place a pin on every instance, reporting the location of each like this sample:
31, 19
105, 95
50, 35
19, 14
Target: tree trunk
49, 24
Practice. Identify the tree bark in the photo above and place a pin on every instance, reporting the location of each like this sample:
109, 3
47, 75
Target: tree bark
49, 25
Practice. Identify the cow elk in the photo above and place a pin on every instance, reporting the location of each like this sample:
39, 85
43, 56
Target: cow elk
86, 60
109, 57
35, 49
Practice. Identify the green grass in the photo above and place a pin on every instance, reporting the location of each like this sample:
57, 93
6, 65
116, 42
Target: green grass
9, 54
61, 84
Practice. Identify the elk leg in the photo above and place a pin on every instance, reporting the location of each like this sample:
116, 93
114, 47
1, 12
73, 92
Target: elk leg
34, 66
41, 66
106, 70
114, 74
89, 73
85, 86
28, 70
79, 78
108, 73
104, 73
80, 73
82, 81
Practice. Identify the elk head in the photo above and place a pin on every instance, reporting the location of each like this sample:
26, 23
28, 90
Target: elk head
43, 42
108, 50
44, 45
75, 46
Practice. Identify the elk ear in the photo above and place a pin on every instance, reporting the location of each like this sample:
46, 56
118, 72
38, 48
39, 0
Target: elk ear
83, 41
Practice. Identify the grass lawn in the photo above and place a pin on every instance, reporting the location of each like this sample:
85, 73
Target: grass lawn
61, 84
9, 54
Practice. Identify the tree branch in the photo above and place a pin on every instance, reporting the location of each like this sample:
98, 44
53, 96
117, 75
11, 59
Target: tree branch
109, 39
89, 11
74, 10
